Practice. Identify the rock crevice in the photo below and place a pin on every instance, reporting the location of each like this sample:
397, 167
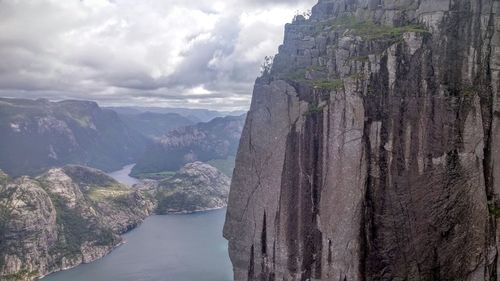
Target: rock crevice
379, 158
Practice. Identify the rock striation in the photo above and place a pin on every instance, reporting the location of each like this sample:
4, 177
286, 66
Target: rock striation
65, 217
372, 147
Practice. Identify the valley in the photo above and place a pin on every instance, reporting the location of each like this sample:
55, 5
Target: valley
76, 214
175, 247
370, 150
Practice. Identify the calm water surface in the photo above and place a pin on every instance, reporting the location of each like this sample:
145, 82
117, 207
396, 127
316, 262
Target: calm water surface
164, 248
123, 175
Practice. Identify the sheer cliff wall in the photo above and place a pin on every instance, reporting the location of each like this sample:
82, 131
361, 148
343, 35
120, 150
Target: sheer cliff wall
372, 147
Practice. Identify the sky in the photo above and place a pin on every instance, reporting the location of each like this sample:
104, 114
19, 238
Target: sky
167, 53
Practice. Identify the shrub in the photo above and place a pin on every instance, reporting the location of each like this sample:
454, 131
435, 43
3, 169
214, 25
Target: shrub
313, 109
331, 85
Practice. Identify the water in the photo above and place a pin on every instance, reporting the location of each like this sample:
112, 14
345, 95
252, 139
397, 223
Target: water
163, 248
123, 175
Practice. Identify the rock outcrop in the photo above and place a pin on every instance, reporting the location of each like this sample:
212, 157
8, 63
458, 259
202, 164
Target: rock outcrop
372, 147
214, 140
196, 187
65, 217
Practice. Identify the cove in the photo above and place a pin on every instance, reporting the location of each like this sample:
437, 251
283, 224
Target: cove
164, 248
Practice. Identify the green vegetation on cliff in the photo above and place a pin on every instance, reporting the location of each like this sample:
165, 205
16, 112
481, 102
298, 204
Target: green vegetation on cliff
38, 134
75, 230
367, 29
62, 218
196, 187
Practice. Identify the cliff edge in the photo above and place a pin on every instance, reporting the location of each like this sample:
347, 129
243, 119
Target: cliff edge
372, 147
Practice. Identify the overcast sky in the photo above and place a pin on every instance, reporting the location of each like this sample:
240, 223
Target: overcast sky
178, 53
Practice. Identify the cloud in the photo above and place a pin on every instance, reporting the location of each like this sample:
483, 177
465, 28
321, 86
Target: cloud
148, 52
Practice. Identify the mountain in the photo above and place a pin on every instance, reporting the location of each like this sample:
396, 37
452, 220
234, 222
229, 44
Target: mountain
194, 114
65, 217
196, 187
372, 147
154, 125
217, 139
38, 134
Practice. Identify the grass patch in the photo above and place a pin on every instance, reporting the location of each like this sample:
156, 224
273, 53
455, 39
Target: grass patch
370, 30
331, 85
297, 76
99, 194
155, 176
469, 90
495, 211
358, 76
360, 58
314, 109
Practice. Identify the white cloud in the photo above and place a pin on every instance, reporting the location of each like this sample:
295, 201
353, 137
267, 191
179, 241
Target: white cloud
149, 52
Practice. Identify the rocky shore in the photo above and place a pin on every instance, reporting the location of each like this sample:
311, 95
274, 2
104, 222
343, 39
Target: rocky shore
74, 215
63, 218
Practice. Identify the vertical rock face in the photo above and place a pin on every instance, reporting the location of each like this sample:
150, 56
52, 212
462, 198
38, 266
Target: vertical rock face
372, 147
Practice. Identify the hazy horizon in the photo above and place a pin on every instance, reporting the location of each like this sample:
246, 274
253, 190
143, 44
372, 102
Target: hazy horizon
191, 54
107, 105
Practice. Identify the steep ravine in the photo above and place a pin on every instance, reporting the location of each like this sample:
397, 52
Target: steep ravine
372, 145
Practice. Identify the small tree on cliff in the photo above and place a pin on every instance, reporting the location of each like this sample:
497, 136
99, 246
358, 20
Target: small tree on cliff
267, 65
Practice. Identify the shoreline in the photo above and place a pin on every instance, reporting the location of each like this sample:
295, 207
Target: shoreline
192, 212
122, 242
125, 242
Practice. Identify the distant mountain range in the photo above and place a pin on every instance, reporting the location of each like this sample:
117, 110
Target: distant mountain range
39, 134
155, 124
206, 142
65, 215
195, 115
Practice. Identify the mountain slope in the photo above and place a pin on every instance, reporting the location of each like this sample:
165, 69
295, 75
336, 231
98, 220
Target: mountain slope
65, 217
371, 149
196, 187
37, 135
217, 139
193, 114
155, 125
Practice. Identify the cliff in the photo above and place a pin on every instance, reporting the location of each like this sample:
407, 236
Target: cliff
196, 187
154, 125
39, 134
214, 140
371, 150
65, 217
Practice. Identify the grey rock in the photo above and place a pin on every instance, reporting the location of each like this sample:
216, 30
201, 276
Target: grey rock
65, 217
388, 169
196, 187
